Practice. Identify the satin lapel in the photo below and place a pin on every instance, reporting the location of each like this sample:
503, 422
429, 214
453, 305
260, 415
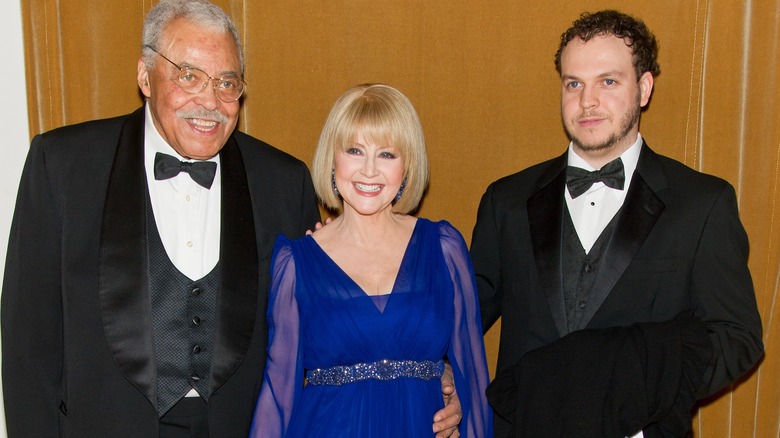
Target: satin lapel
640, 211
545, 213
237, 302
123, 264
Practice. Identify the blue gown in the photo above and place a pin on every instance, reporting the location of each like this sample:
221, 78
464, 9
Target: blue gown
319, 317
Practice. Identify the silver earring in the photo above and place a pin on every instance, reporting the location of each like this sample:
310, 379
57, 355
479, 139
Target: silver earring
333, 181
400, 191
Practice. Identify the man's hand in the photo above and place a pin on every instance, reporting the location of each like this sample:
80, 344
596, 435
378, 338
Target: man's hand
319, 225
446, 420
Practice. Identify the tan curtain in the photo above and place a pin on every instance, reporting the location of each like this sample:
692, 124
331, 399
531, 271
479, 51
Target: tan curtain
481, 75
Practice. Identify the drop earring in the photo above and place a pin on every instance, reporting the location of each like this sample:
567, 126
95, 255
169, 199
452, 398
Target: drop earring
400, 191
333, 181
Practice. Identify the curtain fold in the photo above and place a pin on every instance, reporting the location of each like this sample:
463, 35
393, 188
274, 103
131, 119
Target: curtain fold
481, 75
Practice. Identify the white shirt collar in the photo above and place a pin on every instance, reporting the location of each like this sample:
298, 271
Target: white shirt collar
630, 159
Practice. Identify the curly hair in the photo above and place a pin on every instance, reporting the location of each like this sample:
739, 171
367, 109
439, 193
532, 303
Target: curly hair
610, 22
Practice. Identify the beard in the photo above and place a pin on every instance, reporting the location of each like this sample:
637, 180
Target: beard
630, 119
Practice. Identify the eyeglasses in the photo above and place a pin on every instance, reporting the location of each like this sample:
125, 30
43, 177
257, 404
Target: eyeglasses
193, 80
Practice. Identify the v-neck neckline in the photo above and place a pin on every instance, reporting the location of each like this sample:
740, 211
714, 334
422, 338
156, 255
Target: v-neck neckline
376, 300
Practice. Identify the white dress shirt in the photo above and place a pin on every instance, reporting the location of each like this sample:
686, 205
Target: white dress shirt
187, 215
592, 211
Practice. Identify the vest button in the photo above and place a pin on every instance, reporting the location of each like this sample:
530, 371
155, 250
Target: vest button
195, 378
196, 350
195, 291
195, 320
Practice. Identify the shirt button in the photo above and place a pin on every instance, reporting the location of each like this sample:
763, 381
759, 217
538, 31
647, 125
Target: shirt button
189, 244
187, 198
195, 320
196, 350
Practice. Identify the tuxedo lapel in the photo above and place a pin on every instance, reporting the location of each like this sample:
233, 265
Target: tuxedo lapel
545, 213
238, 261
641, 209
123, 263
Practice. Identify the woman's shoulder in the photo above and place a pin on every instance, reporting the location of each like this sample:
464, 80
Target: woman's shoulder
282, 249
442, 226
286, 247
282, 241
445, 230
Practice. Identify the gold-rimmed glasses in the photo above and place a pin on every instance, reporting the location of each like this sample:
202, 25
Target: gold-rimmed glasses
193, 80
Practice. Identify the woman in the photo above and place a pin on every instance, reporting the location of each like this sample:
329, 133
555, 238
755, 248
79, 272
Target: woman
371, 303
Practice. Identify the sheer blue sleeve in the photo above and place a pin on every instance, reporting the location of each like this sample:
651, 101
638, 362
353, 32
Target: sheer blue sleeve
467, 349
283, 376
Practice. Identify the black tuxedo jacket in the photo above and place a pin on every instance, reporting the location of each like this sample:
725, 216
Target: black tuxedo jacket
678, 247
76, 327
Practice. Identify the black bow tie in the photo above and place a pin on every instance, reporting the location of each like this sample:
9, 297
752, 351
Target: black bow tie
579, 180
202, 172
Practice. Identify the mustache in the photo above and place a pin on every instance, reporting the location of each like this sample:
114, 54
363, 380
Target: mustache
201, 113
588, 114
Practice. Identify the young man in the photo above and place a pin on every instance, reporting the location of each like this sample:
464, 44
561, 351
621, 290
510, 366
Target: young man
620, 275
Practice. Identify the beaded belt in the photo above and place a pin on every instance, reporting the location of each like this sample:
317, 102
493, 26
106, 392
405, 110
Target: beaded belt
381, 370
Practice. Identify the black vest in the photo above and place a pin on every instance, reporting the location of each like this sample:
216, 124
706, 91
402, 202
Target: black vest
183, 320
579, 269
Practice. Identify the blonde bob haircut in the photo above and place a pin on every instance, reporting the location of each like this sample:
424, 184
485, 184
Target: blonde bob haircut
385, 117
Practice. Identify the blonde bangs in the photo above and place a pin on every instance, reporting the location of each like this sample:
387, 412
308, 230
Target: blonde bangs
384, 116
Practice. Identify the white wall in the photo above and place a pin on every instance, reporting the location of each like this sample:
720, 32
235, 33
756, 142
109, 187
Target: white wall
13, 125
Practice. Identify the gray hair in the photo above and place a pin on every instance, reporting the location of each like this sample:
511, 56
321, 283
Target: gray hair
201, 12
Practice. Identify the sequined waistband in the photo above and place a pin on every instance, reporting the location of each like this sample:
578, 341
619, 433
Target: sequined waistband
380, 370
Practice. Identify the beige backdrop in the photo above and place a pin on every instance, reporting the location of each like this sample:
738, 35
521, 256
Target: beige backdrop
481, 75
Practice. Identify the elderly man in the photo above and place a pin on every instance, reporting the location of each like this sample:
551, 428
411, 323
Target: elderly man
136, 284
621, 275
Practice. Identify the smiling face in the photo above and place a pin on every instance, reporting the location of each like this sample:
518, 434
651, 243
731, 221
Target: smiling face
368, 176
196, 126
601, 98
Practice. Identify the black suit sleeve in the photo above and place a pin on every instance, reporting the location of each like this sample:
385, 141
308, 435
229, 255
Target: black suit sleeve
309, 206
32, 316
722, 290
487, 260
